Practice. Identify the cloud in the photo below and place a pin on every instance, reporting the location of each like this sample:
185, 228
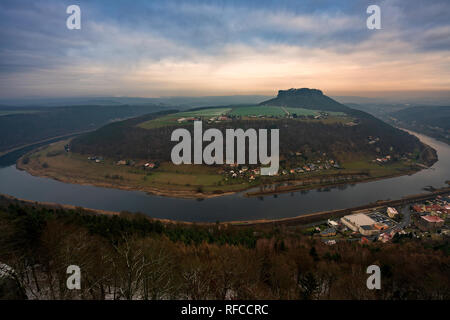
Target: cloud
165, 48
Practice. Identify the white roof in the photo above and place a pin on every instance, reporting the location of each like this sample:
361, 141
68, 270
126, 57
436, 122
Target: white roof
334, 223
360, 219
392, 210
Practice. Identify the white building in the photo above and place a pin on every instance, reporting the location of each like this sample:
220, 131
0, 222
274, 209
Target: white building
392, 212
332, 223
360, 223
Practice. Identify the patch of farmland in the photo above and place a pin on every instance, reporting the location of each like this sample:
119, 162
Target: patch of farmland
258, 111
171, 119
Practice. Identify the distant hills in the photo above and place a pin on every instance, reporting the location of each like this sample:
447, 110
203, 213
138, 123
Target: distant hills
179, 102
205, 101
430, 116
416, 98
430, 120
347, 139
31, 126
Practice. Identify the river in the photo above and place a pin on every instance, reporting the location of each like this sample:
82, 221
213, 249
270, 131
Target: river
22, 185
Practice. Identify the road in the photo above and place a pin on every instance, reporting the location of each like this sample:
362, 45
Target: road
406, 217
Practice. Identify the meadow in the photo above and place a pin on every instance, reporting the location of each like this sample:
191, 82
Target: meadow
267, 111
171, 119
251, 111
52, 161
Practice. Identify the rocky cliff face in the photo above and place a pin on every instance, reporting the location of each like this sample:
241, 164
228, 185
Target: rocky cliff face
306, 98
299, 92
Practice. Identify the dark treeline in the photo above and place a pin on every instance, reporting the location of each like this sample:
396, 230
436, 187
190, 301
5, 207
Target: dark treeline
432, 121
45, 123
127, 140
114, 226
430, 116
129, 257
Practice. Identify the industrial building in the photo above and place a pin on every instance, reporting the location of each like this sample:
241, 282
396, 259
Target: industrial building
363, 224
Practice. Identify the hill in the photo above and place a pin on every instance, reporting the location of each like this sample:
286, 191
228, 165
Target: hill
148, 137
430, 120
321, 143
325, 126
20, 126
306, 98
179, 101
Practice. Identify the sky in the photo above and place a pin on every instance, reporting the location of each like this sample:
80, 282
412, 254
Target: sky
201, 48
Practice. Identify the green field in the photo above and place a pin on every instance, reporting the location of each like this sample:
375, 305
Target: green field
171, 119
204, 113
310, 112
301, 111
54, 162
266, 111
238, 111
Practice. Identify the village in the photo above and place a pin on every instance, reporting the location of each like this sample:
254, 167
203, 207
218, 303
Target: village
235, 171
296, 165
231, 116
428, 219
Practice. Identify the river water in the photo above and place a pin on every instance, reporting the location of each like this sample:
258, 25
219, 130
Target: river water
226, 208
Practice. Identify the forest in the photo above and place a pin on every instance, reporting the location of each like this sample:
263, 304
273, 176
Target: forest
19, 128
126, 140
431, 120
432, 116
130, 256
